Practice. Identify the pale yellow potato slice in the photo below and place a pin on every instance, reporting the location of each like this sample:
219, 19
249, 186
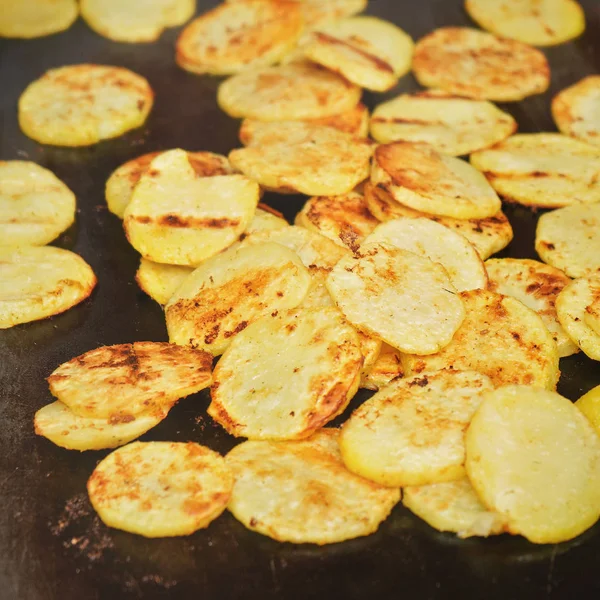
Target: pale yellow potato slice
501, 338
80, 105
386, 368
301, 492
286, 376
404, 299
36, 18
546, 170
178, 217
589, 405
318, 295
160, 281
160, 489
265, 219
535, 459
412, 431
38, 282
449, 123
471, 63
228, 292
417, 176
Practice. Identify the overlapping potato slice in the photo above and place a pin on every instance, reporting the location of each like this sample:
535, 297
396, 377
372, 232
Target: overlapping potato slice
301, 492
568, 239
79, 105
472, 63
177, 217
501, 338
417, 176
537, 286
545, 23
535, 459
230, 291
592, 314
404, 299
36, 18
265, 219
38, 282
294, 91
386, 368
589, 405
438, 243
126, 380
160, 281
285, 376
411, 432
160, 489
449, 123
547, 170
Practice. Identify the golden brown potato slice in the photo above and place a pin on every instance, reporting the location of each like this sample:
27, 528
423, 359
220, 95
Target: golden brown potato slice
386, 368
36, 18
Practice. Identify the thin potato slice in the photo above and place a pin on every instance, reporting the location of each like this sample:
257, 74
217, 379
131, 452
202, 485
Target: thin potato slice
160, 489
36, 18
160, 281
125, 380
535, 459
386, 368
589, 405
301, 492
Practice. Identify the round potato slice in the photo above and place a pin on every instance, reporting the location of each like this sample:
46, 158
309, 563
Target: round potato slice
38, 282
501, 338
80, 105
160, 281
535, 459
262, 392
533, 22
178, 217
546, 170
36, 18
160, 489
404, 299
386, 368
230, 291
301, 492
417, 176
472, 63
568, 239
412, 431
589, 405
288, 92
35, 206
450, 124
64, 428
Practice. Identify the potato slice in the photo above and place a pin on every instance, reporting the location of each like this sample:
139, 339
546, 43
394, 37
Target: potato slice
537, 286
160, 281
265, 219
500, 337
80, 105
386, 368
160, 489
301, 492
450, 124
178, 217
592, 314
38, 282
417, 176
535, 459
230, 291
546, 170
411, 432
472, 63
406, 300
36, 18
589, 405
126, 380
568, 239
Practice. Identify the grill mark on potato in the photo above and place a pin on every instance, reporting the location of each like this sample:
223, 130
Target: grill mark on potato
173, 220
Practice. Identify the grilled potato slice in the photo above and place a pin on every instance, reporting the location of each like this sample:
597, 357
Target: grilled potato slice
262, 392
160, 281
386, 368
417, 176
38, 282
36, 18
160, 489
472, 63
301, 492
534, 458
228, 292
80, 105
546, 170
449, 123
402, 298
501, 338
411, 432
589, 405
592, 314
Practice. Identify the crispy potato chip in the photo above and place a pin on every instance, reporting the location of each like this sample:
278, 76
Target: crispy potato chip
450, 124
160, 281
301, 492
386, 368
36, 18
501, 338
535, 459
417, 176
589, 405
262, 392
160, 489
472, 63
83, 104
